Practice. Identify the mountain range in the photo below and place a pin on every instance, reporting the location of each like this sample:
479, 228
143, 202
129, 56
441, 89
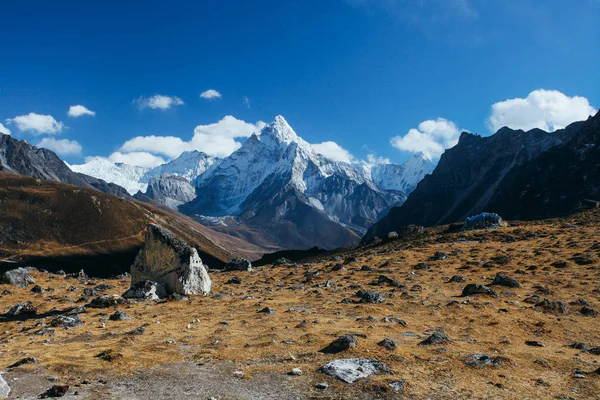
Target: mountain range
517, 174
275, 190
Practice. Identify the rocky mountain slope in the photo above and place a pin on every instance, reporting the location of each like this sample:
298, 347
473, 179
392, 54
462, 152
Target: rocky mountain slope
18, 156
517, 174
276, 182
49, 222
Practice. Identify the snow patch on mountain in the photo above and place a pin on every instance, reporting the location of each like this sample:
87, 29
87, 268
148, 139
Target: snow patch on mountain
127, 176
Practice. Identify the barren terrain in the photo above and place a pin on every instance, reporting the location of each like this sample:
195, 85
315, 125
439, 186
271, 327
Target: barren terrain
193, 348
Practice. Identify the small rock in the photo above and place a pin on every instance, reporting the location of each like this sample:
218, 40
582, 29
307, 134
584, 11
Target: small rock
439, 255
235, 281
473, 288
282, 261
534, 343
481, 360
25, 308
119, 316
146, 290
267, 310
28, 360
370, 296
107, 300
588, 312
322, 386
55, 391
340, 344
457, 279
37, 289
397, 386
67, 321
388, 344
295, 372
137, 331
503, 280
4, 388
435, 339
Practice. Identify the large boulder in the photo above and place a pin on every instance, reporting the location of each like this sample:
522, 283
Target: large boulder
17, 277
4, 388
238, 264
484, 220
171, 263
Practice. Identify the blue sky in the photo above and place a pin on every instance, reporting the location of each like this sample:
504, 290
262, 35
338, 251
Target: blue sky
378, 77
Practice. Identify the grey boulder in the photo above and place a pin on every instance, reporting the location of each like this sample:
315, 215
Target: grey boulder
17, 277
350, 370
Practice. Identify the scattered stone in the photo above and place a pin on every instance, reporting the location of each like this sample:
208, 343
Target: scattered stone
25, 308
366, 268
55, 391
473, 288
388, 281
267, 310
388, 344
67, 321
584, 259
457, 279
28, 360
322, 386
435, 339
482, 360
588, 312
578, 376
18, 277
295, 372
119, 316
370, 296
503, 280
398, 386
171, 262
552, 307
392, 235
595, 351
340, 344
543, 362
146, 290
439, 256
534, 343
579, 346
37, 289
89, 292
238, 264
349, 370
338, 267
235, 281
137, 331
421, 267
107, 300
43, 331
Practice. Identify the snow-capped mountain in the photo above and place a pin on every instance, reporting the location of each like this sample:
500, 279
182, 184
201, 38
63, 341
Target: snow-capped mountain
127, 176
276, 186
188, 165
277, 180
401, 177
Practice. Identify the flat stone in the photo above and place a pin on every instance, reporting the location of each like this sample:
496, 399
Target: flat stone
349, 370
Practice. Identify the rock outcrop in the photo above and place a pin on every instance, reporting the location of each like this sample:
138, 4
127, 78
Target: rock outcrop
17, 277
171, 262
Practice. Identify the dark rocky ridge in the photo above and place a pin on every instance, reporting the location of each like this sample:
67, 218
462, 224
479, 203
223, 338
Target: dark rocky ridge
517, 174
20, 157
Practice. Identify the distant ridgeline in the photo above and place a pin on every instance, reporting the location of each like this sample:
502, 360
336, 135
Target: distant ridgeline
517, 174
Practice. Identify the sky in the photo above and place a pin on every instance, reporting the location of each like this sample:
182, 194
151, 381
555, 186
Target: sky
142, 81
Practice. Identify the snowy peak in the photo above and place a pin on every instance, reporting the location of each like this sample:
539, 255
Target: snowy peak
127, 176
189, 165
402, 177
280, 134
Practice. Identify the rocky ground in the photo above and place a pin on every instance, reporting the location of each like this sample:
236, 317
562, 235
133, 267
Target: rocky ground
529, 333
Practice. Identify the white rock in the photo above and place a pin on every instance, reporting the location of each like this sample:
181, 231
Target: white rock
172, 263
351, 369
4, 388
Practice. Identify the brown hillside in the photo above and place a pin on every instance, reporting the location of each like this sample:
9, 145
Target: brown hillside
45, 219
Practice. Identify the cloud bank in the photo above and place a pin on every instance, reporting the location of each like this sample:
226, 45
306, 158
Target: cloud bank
37, 124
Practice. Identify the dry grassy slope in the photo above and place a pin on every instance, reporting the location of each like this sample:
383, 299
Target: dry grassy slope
53, 219
255, 342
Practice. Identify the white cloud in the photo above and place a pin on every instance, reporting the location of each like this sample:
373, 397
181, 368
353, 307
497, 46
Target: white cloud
333, 151
246, 101
431, 137
37, 124
63, 147
545, 109
217, 139
158, 101
210, 94
374, 159
169, 146
139, 158
79, 110
4, 129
